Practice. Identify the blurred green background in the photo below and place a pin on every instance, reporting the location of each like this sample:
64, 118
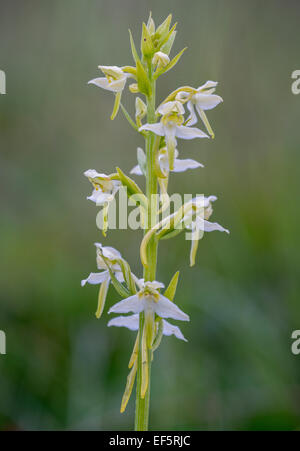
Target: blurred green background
66, 370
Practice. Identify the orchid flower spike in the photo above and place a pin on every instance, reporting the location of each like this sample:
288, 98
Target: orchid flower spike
103, 278
114, 80
170, 126
202, 100
132, 323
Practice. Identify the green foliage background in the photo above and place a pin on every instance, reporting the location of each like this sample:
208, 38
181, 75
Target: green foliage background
64, 369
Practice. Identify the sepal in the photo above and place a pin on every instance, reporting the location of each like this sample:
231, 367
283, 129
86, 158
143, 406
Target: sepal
171, 290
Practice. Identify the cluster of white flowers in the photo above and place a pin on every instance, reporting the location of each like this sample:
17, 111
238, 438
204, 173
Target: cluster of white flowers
148, 298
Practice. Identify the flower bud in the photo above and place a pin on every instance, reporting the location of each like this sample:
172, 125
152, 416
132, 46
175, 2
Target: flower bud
134, 88
151, 24
163, 29
140, 111
160, 59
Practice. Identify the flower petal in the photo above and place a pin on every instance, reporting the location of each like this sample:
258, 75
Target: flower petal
207, 85
131, 322
207, 101
93, 174
169, 329
157, 128
109, 252
96, 277
101, 82
132, 304
99, 197
155, 285
192, 119
184, 132
167, 309
119, 276
114, 86
207, 226
136, 170
183, 165
170, 132
171, 107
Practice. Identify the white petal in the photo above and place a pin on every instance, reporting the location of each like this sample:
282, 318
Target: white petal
95, 278
157, 128
136, 170
183, 165
132, 304
101, 82
131, 322
119, 276
99, 197
192, 119
206, 226
116, 186
155, 285
117, 85
207, 101
109, 252
169, 107
164, 161
167, 309
114, 86
211, 226
114, 71
207, 85
169, 329
189, 132
170, 131
182, 95
93, 174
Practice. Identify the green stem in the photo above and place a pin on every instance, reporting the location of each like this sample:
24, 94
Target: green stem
128, 117
142, 404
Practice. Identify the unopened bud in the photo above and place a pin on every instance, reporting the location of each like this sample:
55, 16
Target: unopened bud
160, 59
134, 88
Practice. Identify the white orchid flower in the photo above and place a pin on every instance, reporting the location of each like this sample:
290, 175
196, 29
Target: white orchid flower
112, 256
200, 212
180, 165
132, 323
114, 80
105, 188
203, 100
197, 220
150, 301
170, 126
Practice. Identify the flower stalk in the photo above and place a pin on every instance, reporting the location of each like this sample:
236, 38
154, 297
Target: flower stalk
143, 403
